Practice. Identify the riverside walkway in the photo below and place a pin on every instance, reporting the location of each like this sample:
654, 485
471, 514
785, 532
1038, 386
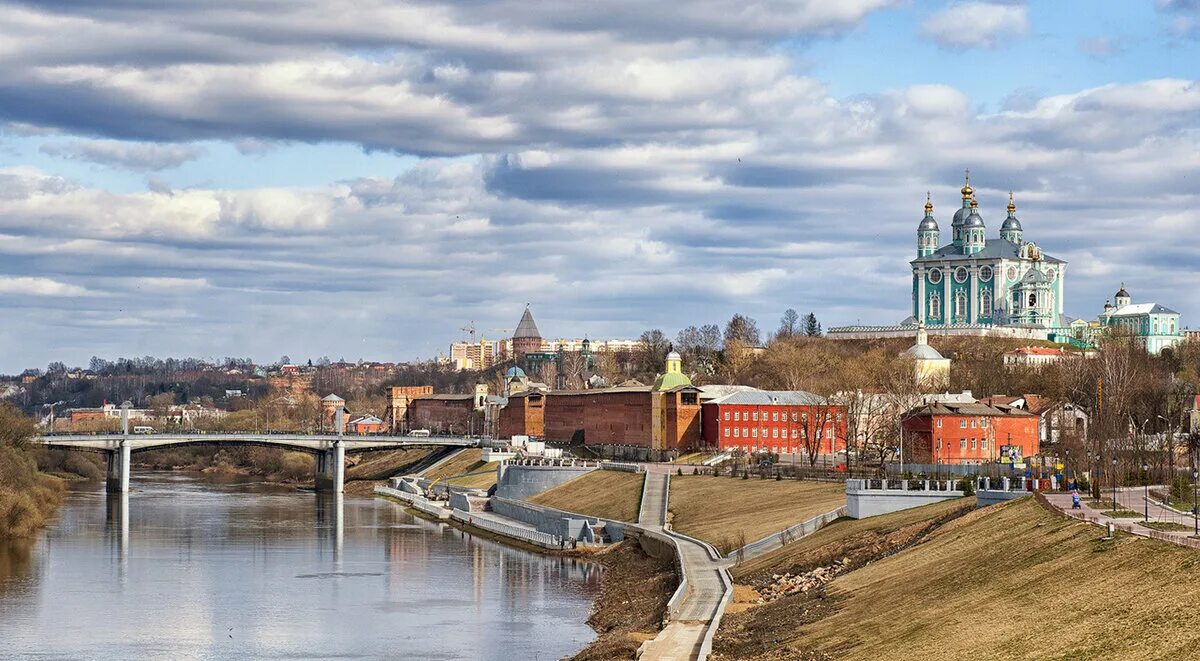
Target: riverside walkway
1133, 499
705, 584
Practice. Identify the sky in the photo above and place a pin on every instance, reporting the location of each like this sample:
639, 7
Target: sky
362, 180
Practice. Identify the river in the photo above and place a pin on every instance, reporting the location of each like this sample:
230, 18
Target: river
188, 567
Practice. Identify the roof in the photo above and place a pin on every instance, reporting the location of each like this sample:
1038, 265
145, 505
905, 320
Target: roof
768, 397
332, 398
447, 396
923, 352
1038, 351
1141, 308
992, 249
968, 408
514, 372
526, 327
671, 380
366, 420
719, 391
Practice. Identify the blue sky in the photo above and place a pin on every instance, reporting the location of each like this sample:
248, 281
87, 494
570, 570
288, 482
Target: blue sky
256, 179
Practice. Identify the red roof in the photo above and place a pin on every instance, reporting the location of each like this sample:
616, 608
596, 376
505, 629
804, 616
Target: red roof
1039, 351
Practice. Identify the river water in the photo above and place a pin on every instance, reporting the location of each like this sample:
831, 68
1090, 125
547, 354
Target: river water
189, 568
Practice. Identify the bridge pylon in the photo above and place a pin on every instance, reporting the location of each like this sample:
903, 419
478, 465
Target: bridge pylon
331, 464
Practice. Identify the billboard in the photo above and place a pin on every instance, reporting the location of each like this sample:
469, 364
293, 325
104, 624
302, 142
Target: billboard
1010, 454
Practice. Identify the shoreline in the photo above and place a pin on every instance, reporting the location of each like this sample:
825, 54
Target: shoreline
631, 605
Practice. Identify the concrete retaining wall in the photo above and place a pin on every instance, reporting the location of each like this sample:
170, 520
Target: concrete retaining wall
985, 497
418, 503
569, 525
524, 482
866, 498
531, 536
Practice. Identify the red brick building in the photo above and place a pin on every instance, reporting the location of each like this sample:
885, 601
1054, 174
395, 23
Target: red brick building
366, 424
638, 416
971, 433
775, 421
445, 414
524, 414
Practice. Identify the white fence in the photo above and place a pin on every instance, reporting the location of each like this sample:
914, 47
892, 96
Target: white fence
418, 503
515, 532
622, 466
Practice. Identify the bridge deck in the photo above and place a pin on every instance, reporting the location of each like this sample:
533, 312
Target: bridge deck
308, 442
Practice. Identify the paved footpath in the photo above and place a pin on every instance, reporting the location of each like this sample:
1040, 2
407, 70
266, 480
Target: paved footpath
1131, 498
683, 637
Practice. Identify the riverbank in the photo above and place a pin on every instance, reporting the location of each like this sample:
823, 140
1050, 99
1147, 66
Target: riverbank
28, 497
632, 604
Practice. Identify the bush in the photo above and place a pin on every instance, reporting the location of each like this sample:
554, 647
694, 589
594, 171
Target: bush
296, 466
967, 486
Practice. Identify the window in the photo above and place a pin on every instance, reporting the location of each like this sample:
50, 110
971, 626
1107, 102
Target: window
983, 444
939, 423
1033, 300
727, 432
794, 416
745, 432
839, 417
735, 433
939, 444
935, 276
985, 304
962, 444
935, 305
737, 415
727, 415
985, 274
960, 274
983, 422
973, 446
688, 398
962, 424
764, 432
819, 434
794, 434
973, 424
775, 416
804, 417
755, 430
960, 304
775, 433
756, 415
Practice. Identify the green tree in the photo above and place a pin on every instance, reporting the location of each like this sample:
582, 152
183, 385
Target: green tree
812, 327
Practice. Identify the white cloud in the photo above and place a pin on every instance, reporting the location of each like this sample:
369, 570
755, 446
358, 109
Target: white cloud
967, 25
37, 286
140, 157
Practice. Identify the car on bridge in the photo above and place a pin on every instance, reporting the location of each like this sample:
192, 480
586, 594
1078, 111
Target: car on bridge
143, 429
419, 432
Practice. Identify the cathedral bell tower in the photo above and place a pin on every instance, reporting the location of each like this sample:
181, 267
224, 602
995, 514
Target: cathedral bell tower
927, 231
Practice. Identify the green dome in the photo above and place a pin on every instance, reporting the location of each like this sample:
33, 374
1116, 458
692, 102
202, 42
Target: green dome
671, 380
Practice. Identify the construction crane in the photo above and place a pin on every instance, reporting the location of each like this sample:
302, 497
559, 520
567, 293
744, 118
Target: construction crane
469, 328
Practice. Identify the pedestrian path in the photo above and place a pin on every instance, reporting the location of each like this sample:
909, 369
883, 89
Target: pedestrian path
707, 588
1133, 499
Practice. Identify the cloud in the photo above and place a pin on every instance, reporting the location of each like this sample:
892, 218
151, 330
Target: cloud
36, 286
986, 25
138, 157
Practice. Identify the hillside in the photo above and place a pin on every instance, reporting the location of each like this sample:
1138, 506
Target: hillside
1008, 582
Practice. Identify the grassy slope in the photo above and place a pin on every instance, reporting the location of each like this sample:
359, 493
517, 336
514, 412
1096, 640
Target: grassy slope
1017, 582
832, 542
466, 461
718, 510
607, 494
382, 465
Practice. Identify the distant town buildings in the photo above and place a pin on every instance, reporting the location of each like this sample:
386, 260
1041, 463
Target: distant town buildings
791, 422
1037, 356
969, 433
528, 348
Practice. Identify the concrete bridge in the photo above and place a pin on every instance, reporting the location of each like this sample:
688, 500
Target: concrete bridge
329, 449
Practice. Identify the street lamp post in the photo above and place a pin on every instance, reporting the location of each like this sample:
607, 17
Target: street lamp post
1114, 482
1146, 483
1195, 510
1067, 469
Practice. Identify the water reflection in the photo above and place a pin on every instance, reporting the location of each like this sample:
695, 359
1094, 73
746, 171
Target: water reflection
185, 567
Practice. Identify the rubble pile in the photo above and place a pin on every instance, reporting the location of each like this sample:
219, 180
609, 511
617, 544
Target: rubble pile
783, 585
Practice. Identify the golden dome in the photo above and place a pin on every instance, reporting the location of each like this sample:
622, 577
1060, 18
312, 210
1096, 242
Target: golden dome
967, 191
1012, 207
928, 204
974, 202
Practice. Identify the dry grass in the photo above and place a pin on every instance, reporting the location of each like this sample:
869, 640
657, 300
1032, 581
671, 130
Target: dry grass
722, 511
615, 495
455, 470
833, 541
1016, 582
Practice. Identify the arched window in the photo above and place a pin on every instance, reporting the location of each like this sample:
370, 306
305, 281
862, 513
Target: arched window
1033, 300
960, 305
985, 304
935, 306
